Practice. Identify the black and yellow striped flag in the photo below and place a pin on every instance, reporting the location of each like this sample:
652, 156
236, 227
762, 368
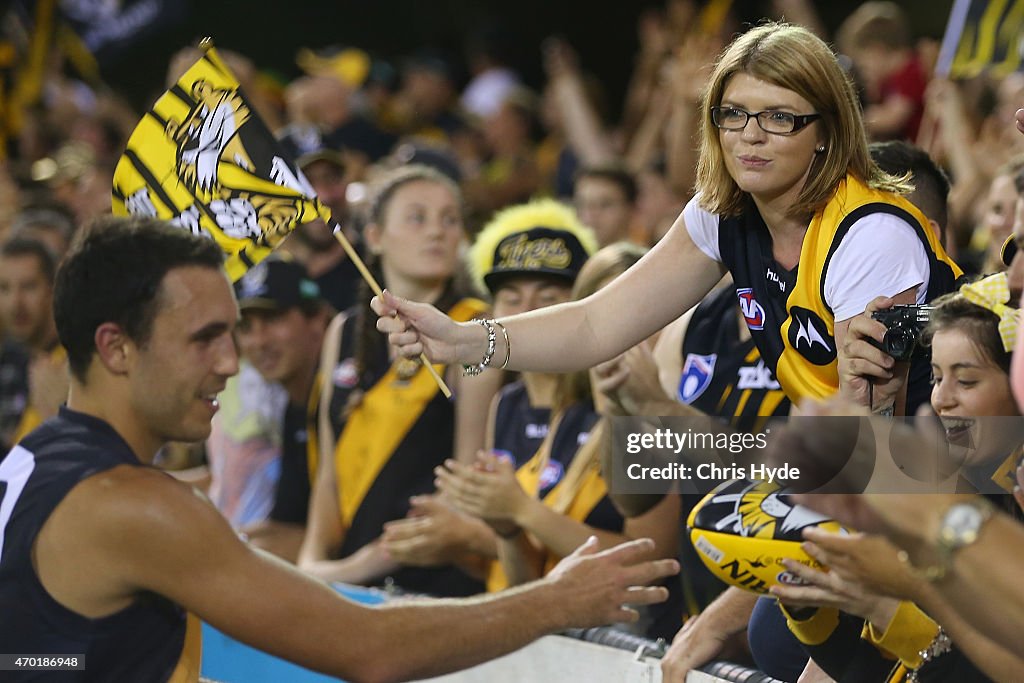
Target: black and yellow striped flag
204, 160
982, 35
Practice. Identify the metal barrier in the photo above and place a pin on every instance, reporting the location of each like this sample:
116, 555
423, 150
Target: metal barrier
595, 655
644, 647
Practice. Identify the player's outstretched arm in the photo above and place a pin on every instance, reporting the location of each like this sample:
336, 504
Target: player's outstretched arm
149, 533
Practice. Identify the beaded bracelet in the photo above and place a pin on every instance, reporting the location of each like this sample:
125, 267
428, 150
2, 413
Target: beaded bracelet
938, 647
470, 370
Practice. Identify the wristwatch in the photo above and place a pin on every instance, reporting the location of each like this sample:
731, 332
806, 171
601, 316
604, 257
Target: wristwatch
961, 525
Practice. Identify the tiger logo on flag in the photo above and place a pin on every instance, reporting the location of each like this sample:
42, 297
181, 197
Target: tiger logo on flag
202, 159
209, 136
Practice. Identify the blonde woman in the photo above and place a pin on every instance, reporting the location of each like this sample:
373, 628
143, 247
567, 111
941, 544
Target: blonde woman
789, 202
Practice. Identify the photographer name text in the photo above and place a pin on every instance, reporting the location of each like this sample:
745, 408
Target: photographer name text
711, 472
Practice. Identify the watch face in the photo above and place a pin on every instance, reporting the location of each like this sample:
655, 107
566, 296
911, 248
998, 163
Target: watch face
963, 518
962, 522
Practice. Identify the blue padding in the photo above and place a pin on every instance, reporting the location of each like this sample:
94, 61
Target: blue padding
229, 661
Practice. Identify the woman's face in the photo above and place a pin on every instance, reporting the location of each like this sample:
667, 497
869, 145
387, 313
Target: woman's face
768, 166
525, 293
420, 232
968, 388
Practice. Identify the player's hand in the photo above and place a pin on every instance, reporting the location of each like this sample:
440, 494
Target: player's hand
595, 588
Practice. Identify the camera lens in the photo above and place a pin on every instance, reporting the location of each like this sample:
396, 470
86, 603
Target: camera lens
899, 342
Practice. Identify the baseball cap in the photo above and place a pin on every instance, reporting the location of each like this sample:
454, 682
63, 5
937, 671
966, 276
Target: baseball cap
542, 237
305, 144
276, 284
349, 65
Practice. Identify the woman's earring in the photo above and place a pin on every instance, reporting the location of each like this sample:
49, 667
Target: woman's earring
819, 149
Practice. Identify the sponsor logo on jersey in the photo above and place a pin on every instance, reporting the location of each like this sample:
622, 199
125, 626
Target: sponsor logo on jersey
698, 371
536, 430
756, 377
551, 475
772, 276
809, 335
344, 375
753, 313
503, 455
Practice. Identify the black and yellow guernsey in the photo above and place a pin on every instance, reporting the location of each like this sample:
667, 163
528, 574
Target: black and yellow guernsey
724, 375
151, 640
785, 310
388, 448
565, 473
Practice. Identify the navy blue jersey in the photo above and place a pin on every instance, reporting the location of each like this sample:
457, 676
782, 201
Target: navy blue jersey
519, 428
142, 642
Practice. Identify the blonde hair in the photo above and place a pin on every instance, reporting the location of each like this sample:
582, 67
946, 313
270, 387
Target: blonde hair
791, 57
387, 185
604, 266
601, 268
874, 23
547, 213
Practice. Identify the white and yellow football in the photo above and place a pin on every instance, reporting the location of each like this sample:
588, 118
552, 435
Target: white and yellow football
744, 529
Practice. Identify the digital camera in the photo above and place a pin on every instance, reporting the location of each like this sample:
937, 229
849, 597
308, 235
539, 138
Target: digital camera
904, 324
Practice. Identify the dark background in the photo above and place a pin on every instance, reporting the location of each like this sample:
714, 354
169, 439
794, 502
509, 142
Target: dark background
271, 31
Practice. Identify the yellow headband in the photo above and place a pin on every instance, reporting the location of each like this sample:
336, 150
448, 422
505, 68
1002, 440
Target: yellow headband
992, 293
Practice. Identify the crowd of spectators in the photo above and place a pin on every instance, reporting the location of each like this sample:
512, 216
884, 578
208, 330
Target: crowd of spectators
343, 459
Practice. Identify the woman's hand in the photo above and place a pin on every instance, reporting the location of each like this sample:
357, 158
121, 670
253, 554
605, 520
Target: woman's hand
630, 384
488, 489
434, 534
560, 59
415, 328
689, 69
841, 589
867, 559
863, 365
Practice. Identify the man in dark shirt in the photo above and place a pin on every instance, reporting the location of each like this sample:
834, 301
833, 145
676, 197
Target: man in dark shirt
280, 333
104, 559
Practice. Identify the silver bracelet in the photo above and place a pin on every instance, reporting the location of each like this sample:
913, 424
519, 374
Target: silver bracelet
508, 345
470, 370
939, 646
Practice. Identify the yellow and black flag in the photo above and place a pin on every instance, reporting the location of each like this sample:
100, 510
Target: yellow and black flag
982, 35
204, 160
